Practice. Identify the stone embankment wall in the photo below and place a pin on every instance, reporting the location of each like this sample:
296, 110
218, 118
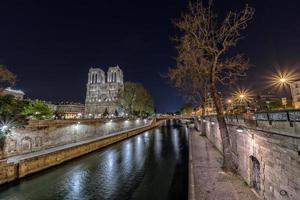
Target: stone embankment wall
265, 155
13, 171
44, 134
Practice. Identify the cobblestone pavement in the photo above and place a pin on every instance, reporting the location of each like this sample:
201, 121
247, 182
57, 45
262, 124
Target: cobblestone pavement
207, 179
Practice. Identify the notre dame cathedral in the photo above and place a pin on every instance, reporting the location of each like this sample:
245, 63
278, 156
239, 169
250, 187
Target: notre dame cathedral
102, 91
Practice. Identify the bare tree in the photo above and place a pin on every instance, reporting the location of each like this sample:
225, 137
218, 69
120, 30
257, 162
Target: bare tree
189, 77
7, 78
212, 41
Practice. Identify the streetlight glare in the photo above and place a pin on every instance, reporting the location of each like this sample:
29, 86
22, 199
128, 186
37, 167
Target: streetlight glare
242, 95
4, 127
282, 78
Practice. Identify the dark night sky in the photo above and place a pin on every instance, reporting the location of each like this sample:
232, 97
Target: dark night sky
50, 45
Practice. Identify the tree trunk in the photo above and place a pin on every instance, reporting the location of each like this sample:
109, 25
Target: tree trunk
227, 156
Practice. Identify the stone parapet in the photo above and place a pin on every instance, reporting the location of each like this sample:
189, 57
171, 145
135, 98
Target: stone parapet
45, 134
12, 169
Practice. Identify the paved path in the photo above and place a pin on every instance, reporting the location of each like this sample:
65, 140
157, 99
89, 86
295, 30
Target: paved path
208, 181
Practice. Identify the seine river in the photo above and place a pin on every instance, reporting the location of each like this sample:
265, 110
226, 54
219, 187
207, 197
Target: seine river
150, 166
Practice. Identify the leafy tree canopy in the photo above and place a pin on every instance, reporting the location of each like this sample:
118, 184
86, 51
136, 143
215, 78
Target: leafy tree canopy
11, 116
136, 100
38, 110
186, 109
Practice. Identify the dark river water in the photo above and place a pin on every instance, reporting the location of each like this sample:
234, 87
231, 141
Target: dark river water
150, 166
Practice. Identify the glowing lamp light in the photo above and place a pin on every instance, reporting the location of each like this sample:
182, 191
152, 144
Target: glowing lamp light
77, 125
4, 127
240, 129
212, 123
109, 122
242, 95
282, 80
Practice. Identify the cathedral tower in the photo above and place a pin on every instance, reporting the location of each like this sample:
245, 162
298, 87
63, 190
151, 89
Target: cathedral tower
102, 93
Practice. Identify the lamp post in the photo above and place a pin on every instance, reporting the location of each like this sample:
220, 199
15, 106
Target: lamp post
282, 79
229, 105
243, 97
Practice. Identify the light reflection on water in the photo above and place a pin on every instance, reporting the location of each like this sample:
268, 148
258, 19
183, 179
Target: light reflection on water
150, 166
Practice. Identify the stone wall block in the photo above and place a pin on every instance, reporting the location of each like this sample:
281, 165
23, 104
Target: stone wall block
275, 146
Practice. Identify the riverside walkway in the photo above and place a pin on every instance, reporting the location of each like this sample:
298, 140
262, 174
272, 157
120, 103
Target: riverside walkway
207, 179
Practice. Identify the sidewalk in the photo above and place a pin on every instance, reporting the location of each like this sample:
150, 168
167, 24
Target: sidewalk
207, 180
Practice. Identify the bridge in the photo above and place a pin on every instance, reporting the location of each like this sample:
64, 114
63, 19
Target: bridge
166, 117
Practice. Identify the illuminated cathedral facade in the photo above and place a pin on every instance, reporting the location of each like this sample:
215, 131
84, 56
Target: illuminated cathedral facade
102, 92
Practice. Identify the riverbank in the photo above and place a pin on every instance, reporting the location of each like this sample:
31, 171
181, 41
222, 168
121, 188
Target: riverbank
21, 166
152, 165
207, 179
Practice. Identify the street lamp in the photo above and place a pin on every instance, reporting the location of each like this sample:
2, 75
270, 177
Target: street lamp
4, 128
229, 105
242, 95
282, 79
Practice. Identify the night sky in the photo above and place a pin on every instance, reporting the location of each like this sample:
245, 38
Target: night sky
50, 45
